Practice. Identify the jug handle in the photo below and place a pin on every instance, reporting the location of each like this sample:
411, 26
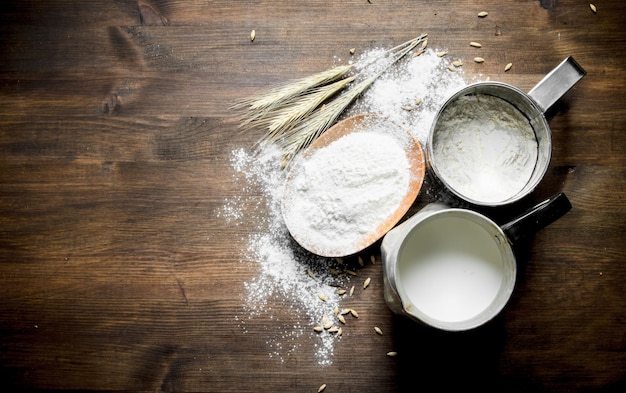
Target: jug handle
537, 217
556, 83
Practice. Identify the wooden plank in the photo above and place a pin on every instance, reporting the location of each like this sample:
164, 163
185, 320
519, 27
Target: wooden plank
125, 259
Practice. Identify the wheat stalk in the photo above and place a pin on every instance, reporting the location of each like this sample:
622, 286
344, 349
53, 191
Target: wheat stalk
410, 44
278, 122
305, 132
277, 96
296, 113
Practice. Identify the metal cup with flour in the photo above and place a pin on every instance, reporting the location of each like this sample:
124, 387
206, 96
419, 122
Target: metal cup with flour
455, 269
501, 128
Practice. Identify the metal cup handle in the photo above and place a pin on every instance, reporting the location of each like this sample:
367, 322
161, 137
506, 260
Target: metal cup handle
537, 218
556, 83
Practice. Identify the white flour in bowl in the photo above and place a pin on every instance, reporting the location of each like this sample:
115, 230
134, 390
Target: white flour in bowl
342, 192
484, 148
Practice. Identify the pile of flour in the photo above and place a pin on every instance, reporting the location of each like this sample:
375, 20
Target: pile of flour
341, 193
484, 148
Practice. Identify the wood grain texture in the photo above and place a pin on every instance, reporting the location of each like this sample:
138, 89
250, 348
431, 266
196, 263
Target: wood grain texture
117, 271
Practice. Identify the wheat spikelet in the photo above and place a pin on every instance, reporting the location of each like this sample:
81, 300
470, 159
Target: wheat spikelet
305, 132
281, 94
279, 121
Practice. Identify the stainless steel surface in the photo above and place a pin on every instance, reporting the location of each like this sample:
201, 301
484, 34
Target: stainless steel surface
532, 105
556, 83
396, 241
537, 120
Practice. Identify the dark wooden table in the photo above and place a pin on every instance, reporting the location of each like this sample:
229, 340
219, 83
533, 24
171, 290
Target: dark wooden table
117, 273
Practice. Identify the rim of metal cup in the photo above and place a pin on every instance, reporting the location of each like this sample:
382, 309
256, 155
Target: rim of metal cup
529, 108
508, 279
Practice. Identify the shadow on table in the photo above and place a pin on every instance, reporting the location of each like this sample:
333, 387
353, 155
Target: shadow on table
457, 361
450, 361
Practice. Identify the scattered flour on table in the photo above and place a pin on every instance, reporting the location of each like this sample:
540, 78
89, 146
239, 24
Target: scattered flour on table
342, 192
282, 282
411, 93
284, 269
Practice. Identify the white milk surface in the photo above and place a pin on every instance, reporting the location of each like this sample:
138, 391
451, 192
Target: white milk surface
450, 268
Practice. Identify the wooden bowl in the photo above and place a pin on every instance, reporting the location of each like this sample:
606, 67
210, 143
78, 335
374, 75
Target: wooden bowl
415, 158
